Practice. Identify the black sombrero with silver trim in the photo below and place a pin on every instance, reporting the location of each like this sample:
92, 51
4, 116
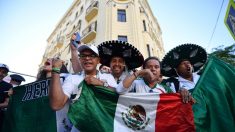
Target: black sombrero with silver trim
132, 56
192, 52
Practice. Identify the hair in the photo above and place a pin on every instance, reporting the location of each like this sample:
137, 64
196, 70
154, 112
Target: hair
41, 75
150, 58
63, 69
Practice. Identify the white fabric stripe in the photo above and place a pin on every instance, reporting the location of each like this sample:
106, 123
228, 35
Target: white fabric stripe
62, 122
148, 101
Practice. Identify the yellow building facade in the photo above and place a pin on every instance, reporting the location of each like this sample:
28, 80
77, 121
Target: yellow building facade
101, 20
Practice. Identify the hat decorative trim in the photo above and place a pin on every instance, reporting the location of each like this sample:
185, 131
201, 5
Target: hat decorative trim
107, 51
193, 53
176, 56
126, 53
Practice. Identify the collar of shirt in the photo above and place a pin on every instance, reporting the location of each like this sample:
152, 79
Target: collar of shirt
96, 76
195, 78
122, 77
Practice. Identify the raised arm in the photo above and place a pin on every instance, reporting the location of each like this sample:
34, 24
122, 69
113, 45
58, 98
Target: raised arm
56, 94
74, 57
146, 73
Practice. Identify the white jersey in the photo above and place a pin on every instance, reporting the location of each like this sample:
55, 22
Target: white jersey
122, 77
183, 83
139, 86
72, 82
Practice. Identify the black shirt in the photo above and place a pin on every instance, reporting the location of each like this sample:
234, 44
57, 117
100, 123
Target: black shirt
4, 86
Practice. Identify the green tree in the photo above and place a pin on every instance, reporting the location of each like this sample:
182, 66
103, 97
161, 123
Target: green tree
226, 54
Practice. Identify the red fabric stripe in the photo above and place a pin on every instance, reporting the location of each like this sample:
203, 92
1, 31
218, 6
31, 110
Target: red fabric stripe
173, 115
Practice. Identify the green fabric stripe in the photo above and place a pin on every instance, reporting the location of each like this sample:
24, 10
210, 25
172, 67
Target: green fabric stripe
98, 105
31, 115
215, 95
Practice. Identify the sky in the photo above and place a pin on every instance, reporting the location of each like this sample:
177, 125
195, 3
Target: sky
25, 26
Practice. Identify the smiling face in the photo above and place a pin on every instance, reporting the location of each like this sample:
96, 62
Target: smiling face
185, 69
89, 61
117, 65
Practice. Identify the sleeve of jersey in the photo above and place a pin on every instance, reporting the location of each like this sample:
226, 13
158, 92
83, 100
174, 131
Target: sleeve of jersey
122, 90
110, 80
70, 85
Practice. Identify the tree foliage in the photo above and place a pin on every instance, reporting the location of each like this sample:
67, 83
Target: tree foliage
226, 54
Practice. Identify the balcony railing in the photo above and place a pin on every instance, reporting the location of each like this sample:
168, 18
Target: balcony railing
60, 42
92, 11
89, 33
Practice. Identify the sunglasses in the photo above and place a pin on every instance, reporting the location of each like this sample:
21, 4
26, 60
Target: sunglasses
89, 56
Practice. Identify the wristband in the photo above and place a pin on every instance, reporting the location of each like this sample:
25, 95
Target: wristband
56, 70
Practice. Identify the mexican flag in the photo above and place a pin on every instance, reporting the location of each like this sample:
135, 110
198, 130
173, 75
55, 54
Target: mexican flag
215, 96
101, 110
29, 111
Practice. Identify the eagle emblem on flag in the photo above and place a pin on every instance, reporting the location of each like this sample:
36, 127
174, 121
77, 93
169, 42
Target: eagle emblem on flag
135, 117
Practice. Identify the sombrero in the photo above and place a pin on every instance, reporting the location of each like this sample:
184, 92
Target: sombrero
132, 56
192, 52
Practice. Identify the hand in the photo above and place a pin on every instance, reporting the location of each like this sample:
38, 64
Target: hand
147, 74
90, 80
10, 92
72, 46
186, 96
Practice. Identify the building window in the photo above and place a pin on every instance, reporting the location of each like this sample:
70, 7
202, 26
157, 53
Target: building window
144, 25
122, 38
67, 24
76, 15
79, 25
121, 15
148, 49
81, 10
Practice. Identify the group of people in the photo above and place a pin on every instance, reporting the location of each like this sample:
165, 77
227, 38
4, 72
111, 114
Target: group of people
6, 88
120, 71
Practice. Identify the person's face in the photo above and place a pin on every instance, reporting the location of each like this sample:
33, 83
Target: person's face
3, 73
48, 65
117, 65
154, 67
89, 60
185, 69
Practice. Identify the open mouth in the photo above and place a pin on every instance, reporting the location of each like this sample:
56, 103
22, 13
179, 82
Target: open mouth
189, 69
47, 63
87, 64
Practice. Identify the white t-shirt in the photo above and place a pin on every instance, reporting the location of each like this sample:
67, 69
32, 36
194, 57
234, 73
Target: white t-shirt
183, 83
139, 86
122, 77
71, 83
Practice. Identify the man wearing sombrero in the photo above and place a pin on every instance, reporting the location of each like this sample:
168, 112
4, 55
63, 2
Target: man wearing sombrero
120, 57
181, 65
